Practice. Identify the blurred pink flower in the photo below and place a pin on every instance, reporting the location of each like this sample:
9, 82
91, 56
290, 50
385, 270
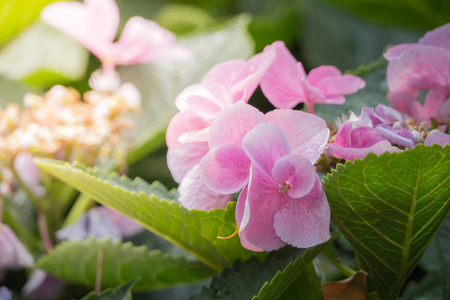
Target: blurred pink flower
94, 24
437, 137
286, 83
417, 67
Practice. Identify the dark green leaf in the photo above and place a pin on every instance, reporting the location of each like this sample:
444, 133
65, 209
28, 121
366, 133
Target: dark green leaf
389, 207
76, 262
443, 247
121, 292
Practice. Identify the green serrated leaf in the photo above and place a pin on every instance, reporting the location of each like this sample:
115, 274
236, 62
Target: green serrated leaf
194, 231
121, 292
305, 286
389, 207
76, 262
55, 57
282, 280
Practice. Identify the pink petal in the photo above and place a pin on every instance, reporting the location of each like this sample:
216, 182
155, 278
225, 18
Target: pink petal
365, 136
433, 103
397, 50
333, 87
352, 153
304, 222
307, 134
144, 41
388, 115
322, 72
103, 19
193, 194
225, 169
199, 100
406, 102
400, 137
437, 137
126, 226
264, 145
220, 79
183, 158
439, 37
182, 122
14, 255
249, 77
443, 114
419, 68
282, 82
29, 173
233, 123
256, 208
343, 138
297, 171
195, 136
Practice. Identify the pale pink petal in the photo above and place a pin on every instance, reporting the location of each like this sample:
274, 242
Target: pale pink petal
439, 37
433, 103
333, 87
14, 255
443, 114
195, 136
388, 115
419, 68
29, 173
400, 137
182, 122
255, 212
183, 158
220, 79
304, 222
352, 153
199, 100
249, 77
126, 226
397, 50
322, 72
233, 123
406, 102
282, 84
296, 171
193, 194
343, 138
437, 137
365, 136
225, 169
307, 134
144, 41
264, 145
103, 18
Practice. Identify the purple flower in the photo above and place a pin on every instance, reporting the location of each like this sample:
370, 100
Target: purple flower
5, 294
42, 286
419, 67
437, 137
14, 255
286, 83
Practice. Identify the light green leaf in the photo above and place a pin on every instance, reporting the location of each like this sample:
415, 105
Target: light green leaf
194, 231
55, 57
121, 292
389, 207
17, 15
160, 83
76, 262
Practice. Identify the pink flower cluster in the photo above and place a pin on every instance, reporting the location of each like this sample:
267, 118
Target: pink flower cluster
423, 66
219, 145
94, 24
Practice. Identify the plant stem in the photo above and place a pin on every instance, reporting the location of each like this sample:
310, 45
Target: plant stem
41, 220
98, 279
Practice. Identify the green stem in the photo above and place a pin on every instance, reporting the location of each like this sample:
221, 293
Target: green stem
344, 269
82, 204
41, 219
30, 241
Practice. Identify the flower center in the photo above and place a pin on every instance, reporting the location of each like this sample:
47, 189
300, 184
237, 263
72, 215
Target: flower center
284, 188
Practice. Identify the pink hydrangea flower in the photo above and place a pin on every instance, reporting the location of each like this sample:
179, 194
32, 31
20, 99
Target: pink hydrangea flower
357, 137
417, 67
271, 156
286, 83
94, 24
199, 104
14, 255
